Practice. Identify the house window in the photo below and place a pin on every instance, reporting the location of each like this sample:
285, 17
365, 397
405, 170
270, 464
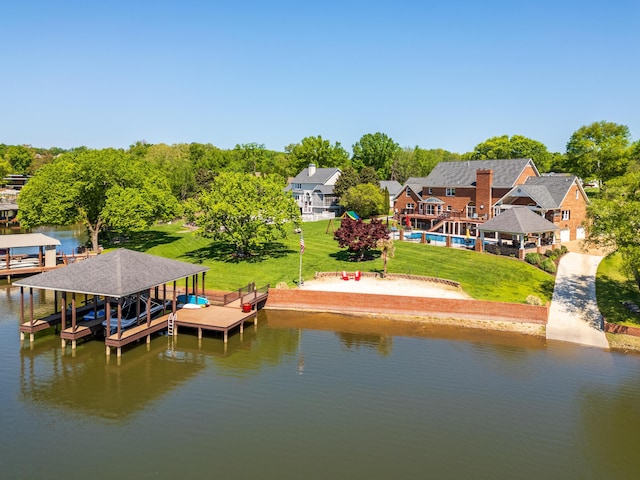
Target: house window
451, 192
449, 208
408, 192
577, 194
430, 210
430, 191
565, 214
410, 206
297, 186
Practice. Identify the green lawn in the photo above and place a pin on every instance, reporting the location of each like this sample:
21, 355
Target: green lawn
483, 276
614, 287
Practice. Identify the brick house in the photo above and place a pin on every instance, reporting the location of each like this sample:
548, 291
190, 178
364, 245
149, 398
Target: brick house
558, 198
457, 197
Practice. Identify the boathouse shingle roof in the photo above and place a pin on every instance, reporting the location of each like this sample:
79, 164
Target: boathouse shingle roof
115, 274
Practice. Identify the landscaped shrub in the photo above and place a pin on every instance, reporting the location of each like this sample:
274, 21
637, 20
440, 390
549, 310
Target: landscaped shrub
532, 258
548, 266
533, 300
563, 250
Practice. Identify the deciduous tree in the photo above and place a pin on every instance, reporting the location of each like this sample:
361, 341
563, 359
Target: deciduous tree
244, 210
318, 151
359, 237
516, 146
375, 150
614, 220
366, 199
100, 188
598, 151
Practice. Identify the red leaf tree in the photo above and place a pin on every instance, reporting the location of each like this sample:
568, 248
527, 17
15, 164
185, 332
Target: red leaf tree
359, 237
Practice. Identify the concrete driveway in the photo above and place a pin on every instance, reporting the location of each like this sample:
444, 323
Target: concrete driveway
574, 315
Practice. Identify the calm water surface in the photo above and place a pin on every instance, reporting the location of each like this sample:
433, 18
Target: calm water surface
316, 396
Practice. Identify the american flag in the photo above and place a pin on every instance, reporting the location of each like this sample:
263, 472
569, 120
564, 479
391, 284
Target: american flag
301, 243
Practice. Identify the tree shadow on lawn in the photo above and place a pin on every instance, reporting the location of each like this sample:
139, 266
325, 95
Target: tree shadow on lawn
611, 294
143, 241
346, 256
226, 252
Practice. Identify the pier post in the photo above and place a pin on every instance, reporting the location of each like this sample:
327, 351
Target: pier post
31, 338
199, 333
108, 350
63, 342
148, 339
119, 352
73, 344
22, 336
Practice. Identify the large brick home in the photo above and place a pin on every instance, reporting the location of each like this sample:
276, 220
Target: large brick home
460, 196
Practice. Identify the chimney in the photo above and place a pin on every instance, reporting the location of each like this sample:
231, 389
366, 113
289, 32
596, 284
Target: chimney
484, 200
312, 169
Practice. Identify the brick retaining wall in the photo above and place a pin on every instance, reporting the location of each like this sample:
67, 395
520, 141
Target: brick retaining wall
621, 329
344, 302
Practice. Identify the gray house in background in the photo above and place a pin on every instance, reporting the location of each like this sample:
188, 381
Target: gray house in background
393, 187
312, 189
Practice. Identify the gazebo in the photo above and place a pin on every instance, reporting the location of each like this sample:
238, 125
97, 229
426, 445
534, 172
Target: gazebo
527, 230
116, 277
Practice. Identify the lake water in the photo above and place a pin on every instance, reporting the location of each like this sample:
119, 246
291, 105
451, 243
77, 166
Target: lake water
306, 396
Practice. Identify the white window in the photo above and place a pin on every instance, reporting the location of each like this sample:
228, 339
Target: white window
408, 192
451, 192
410, 206
430, 210
577, 194
430, 191
565, 214
449, 208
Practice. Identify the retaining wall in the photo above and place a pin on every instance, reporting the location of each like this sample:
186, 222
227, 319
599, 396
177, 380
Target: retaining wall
344, 302
624, 330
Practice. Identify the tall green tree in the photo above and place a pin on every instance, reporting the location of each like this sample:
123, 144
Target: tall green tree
599, 151
614, 220
348, 178
516, 146
20, 158
175, 162
375, 150
244, 210
318, 151
366, 199
250, 157
100, 188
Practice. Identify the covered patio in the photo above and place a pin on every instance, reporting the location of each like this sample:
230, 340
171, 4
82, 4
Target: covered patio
109, 283
517, 231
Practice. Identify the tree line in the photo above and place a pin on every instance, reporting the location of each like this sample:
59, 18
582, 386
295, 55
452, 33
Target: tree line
126, 190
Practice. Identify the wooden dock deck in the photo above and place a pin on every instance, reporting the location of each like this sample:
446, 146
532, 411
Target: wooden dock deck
219, 319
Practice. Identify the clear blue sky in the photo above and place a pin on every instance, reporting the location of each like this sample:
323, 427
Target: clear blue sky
434, 74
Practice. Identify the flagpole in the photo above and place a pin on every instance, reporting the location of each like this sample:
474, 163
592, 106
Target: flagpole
300, 281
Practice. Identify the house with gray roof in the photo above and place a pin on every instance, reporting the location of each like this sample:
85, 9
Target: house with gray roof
558, 198
458, 196
312, 189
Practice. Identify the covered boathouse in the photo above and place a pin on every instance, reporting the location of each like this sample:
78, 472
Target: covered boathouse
109, 283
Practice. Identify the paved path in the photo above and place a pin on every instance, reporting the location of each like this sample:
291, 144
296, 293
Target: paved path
574, 315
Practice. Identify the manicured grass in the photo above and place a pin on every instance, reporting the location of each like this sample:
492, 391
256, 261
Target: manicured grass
483, 276
614, 287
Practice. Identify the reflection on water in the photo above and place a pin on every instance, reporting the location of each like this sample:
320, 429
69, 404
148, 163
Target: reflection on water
317, 396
